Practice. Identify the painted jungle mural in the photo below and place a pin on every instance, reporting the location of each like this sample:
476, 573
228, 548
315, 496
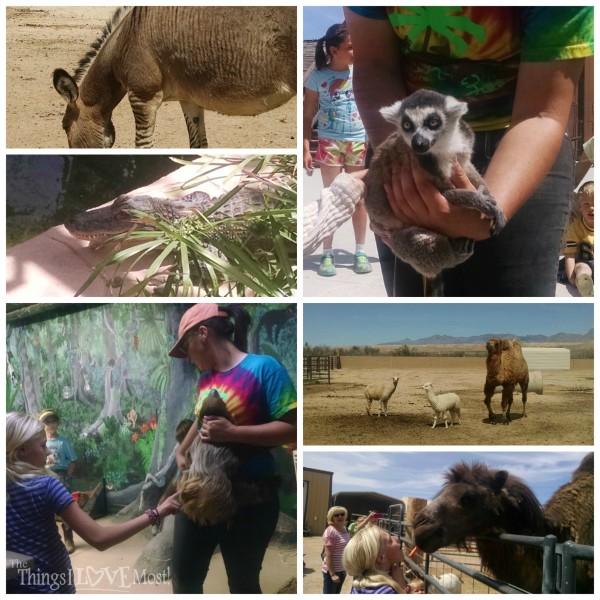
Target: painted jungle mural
106, 371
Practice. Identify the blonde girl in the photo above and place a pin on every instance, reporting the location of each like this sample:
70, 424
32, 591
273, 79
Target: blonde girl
373, 558
35, 497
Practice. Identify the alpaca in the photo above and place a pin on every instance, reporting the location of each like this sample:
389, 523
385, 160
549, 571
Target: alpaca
381, 392
506, 367
451, 581
477, 501
443, 404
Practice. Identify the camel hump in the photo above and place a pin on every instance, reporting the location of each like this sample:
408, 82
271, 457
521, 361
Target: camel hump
585, 467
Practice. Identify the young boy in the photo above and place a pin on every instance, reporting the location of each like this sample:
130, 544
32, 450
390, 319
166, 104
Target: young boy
61, 460
579, 243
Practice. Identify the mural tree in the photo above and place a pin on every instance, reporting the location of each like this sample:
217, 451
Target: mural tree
106, 371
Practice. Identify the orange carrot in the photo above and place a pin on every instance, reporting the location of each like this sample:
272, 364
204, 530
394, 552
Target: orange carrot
413, 552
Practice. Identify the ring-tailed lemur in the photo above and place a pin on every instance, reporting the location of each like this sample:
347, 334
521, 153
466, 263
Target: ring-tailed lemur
430, 127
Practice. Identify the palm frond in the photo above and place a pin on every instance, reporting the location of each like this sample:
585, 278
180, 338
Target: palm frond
252, 254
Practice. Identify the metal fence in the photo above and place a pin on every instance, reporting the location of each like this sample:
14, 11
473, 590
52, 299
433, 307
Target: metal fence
318, 368
559, 560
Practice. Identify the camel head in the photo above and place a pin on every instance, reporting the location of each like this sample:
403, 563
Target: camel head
475, 500
493, 346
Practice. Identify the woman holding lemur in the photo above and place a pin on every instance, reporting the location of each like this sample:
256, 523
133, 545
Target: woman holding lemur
260, 396
518, 68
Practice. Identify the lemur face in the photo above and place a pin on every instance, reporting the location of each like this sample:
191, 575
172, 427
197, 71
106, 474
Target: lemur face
421, 128
426, 120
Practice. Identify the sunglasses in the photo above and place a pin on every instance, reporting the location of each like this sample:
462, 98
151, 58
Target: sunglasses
339, 515
185, 340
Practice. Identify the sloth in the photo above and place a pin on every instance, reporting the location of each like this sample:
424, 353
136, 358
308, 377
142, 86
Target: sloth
210, 489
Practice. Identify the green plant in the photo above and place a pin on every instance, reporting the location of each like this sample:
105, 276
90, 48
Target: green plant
253, 253
111, 455
159, 378
144, 441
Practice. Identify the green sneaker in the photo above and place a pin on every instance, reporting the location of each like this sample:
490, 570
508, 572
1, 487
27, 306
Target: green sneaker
585, 285
327, 266
361, 263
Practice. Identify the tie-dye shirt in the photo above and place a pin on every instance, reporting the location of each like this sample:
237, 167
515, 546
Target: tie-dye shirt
257, 391
474, 52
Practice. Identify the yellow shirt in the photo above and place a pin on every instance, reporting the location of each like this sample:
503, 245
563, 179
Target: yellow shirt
579, 240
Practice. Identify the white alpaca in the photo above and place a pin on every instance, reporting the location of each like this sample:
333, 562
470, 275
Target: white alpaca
451, 581
381, 392
443, 404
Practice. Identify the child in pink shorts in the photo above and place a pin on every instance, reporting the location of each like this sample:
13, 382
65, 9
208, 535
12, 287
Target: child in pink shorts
342, 139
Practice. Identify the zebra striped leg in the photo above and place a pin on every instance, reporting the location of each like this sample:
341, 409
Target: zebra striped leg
144, 113
194, 119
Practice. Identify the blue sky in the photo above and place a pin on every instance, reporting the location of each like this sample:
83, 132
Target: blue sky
366, 324
420, 474
317, 19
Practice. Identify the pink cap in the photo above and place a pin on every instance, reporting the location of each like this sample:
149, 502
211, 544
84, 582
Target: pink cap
191, 317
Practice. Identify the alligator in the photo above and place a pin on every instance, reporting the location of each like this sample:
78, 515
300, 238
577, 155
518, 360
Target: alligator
99, 224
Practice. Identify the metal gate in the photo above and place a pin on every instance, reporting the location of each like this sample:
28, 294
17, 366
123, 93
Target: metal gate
558, 569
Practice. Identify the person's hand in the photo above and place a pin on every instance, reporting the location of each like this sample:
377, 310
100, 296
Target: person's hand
415, 201
360, 175
180, 460
169, 506
308, 162
217, 429
335, 578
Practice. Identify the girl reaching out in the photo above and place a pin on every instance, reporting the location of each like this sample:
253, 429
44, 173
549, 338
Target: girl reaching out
35, 497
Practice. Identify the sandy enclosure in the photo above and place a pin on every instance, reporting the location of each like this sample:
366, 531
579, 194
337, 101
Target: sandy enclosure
41, 39
335, 414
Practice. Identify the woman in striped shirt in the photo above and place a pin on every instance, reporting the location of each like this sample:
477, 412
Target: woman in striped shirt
335, 538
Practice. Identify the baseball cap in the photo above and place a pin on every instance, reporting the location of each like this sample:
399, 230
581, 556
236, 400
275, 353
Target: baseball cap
47, 413
194, 316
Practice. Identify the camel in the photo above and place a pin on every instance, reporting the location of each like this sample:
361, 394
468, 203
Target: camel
234, 60
478, 501
506, 367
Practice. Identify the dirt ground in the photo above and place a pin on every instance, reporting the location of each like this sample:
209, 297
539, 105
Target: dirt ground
335, 414
41, 39
312, 580
112, 570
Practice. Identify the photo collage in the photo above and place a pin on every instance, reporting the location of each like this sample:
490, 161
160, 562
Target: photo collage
194, 405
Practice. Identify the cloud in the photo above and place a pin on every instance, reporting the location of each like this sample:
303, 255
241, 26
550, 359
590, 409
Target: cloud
421, 474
